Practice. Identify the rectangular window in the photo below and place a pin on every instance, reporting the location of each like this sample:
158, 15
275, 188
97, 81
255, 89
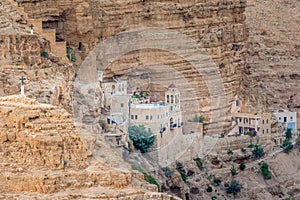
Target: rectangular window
147, 117
150, 117
132, 117
122, 105
136, 117
279, 118
291, 118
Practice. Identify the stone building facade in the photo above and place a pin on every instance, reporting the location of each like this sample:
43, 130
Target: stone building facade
123, 108
287, 118
247, 122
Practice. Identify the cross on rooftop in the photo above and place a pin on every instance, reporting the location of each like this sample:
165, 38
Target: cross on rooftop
22, 79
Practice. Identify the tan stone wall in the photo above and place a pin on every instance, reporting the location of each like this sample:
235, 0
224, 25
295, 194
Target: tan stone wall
37, 24
59, 49
49, 34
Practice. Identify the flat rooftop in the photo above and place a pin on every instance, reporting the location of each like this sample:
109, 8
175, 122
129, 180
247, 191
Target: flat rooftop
149, 106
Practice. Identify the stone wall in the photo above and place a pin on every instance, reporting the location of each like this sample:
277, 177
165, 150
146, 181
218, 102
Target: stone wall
57, 48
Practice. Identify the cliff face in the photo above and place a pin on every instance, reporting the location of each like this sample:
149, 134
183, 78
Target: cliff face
219, 27
17, 45
43, 156
272, 73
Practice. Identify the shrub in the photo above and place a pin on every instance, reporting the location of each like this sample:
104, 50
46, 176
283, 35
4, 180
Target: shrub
183, 175
234, 187
242, 166
209, 189
243, 150
288, 134
70, 54
229, 152
297, 144
217, 181
233, 171
147, 177
222, 136
168, 172
197, 119
199, 163
214, 198
45, 54
141, 138
265, 170
287, 146
151, 180
258, 151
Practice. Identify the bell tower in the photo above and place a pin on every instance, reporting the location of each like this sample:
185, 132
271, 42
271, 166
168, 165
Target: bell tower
172, 98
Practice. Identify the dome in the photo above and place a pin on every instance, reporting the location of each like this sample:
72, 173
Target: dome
172, 86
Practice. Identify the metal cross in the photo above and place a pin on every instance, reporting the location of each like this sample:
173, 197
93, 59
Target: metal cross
22, 80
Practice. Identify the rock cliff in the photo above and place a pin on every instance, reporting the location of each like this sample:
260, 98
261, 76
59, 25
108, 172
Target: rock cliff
43, 156
272, 72
218, 27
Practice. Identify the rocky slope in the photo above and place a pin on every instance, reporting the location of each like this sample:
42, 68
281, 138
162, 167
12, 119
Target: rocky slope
190, 180
272, 72
44, 157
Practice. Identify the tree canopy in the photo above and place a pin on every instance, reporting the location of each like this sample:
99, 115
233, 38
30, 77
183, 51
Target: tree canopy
258, 152
288, 134
141, 138
234, 187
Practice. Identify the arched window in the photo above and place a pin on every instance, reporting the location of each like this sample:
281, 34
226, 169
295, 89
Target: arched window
113, 87
171, 121
168, 99
172, 99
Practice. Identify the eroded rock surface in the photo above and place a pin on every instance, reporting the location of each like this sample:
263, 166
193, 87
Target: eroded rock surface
43, 156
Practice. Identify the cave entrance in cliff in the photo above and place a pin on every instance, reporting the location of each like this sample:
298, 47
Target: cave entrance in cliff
58, 25
80, 46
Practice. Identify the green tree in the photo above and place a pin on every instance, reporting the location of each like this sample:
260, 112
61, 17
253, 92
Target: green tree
287, 146
233, 171
217, 181
265, 170
141, 138
209, 189
234, 187
297, 144
229, 152
288, 134
242, 166
199, 163
258, 152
